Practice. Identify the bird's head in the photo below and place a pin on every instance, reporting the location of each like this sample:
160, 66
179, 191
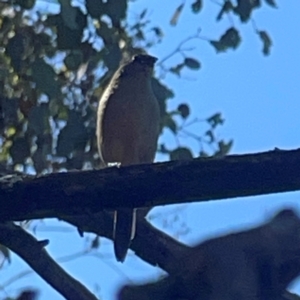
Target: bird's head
140, 64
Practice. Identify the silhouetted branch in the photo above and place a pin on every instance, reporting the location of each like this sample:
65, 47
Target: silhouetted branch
34, 253
254, 264
78, 193
150, 244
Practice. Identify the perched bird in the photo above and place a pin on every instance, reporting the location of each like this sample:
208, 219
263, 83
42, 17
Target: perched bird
127, 131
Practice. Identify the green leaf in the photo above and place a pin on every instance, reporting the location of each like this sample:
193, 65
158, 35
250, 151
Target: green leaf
162, 148
69, 28
267, 42
176, 15
58, 111
271, 3
96, 8
143, 13
215, 120
158, 32
219, 47
210, 135
9, 112
65, 142
192, 63
197, 6
226, 8
73, 136
184, 110
73, 60
230, 39
39, 161
26, 4
45, 78
15, 50
244, 8
20, 150
38, 119
181, 153
68, 14
113, 56
140, 35
224, 148
116, 11
177, 69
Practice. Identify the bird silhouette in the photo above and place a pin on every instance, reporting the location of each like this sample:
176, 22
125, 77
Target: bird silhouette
127, 131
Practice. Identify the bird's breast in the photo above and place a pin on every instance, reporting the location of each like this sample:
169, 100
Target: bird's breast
128, 120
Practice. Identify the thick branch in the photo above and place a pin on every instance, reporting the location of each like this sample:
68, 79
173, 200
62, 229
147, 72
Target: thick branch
77, 193
33, 252
150, 244
258, 264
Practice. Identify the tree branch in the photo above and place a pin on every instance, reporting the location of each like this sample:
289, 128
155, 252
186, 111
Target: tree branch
78, 193
257, 263
33, 252
150, 244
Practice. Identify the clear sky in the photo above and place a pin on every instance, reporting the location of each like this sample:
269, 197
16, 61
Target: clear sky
260, 99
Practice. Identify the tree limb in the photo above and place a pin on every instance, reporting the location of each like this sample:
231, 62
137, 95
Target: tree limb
258, 264
33, 252
150, 244
78, 193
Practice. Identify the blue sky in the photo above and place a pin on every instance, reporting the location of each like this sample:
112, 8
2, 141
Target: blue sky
260, 99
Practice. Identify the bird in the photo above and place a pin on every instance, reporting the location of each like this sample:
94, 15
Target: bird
128, 126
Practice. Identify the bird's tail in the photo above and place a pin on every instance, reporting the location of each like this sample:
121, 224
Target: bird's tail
124, 231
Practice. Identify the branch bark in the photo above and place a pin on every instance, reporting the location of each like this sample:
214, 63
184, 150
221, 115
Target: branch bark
83, 198
78, 193
33, 252
258, 263
150, 244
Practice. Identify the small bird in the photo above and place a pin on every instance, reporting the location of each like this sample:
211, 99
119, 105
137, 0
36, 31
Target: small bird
128, 123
